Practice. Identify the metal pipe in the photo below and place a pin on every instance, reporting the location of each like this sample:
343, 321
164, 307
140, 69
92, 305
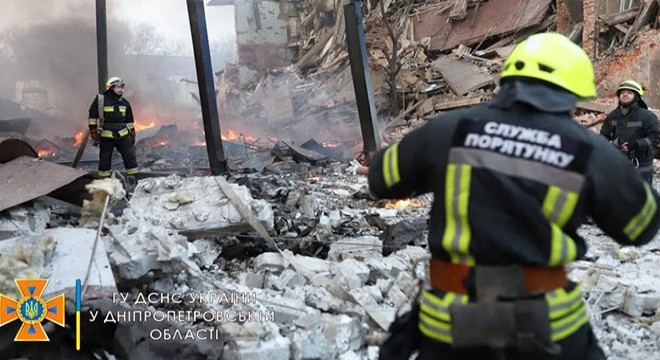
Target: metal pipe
208, 101
357, 54
101, 44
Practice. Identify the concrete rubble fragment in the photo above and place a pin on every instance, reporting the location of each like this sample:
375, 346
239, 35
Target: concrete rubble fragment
195, 205
61, 255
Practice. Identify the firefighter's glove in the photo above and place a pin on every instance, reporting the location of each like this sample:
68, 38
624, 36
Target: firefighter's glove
94, 134
133, 134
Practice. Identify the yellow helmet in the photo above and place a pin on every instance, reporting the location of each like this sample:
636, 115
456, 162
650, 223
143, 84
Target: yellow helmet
631, 85
554, 58
636, 87
114, 81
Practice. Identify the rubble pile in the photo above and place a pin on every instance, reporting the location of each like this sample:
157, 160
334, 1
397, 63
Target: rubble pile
436, 55
342, 267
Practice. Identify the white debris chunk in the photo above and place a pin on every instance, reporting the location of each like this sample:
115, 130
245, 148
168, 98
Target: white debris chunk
353, 267
270, 261
360, 248
195, 204
136, 248
329, 337
207, 251
277, 348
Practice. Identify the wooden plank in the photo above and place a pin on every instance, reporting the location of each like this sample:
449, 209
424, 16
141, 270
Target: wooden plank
459, 11
461, 75
594, 106
619, 18
448, 105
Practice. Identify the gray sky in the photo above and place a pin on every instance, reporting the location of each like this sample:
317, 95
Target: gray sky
170, 17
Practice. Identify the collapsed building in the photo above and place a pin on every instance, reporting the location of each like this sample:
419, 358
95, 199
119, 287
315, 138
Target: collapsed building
288, 256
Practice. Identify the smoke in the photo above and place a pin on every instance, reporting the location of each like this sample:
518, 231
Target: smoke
49, 48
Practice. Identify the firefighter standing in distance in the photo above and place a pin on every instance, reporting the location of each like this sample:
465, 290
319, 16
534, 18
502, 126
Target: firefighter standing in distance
512, 180
116, 130
632, 128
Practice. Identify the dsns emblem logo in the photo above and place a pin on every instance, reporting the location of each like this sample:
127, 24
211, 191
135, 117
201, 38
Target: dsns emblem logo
31, 310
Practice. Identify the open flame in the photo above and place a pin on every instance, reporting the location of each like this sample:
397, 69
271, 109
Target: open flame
233, 135
44, 153
78, 138
404, 204
141, 126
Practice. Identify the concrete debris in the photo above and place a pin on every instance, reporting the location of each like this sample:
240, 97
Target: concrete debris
195, 206
327, 338
26, 219
137, 247
61, 255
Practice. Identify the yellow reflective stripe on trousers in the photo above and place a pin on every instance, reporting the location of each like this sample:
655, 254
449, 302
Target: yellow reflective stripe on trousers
132, 171
558, 207
456, 239
104, 173
391, 165
434, 317
567, 312
562, 303
638, 224
92, 121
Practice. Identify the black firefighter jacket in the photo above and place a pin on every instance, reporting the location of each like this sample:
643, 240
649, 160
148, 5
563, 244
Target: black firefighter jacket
639, 126
118, 115
511, 185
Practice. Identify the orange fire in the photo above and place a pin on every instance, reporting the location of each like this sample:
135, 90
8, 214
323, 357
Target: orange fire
233, 135
43, 153
141, 126
404, 204
78, 138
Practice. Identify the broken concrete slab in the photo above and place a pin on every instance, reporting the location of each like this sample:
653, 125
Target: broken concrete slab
461, 75
62, 256
329, 337
359, 248
270, 261
196, 206
26, 219
136, 247
272, 348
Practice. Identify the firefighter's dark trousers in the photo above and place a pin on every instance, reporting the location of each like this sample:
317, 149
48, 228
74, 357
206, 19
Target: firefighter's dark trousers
124, 145
647, 173
582, 345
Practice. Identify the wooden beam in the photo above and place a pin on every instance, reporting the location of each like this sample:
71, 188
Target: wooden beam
448, 105
620, 17
647, 14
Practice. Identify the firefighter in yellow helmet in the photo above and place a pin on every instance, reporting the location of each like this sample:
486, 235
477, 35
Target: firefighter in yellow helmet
111, 125
632, 128
512, 181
